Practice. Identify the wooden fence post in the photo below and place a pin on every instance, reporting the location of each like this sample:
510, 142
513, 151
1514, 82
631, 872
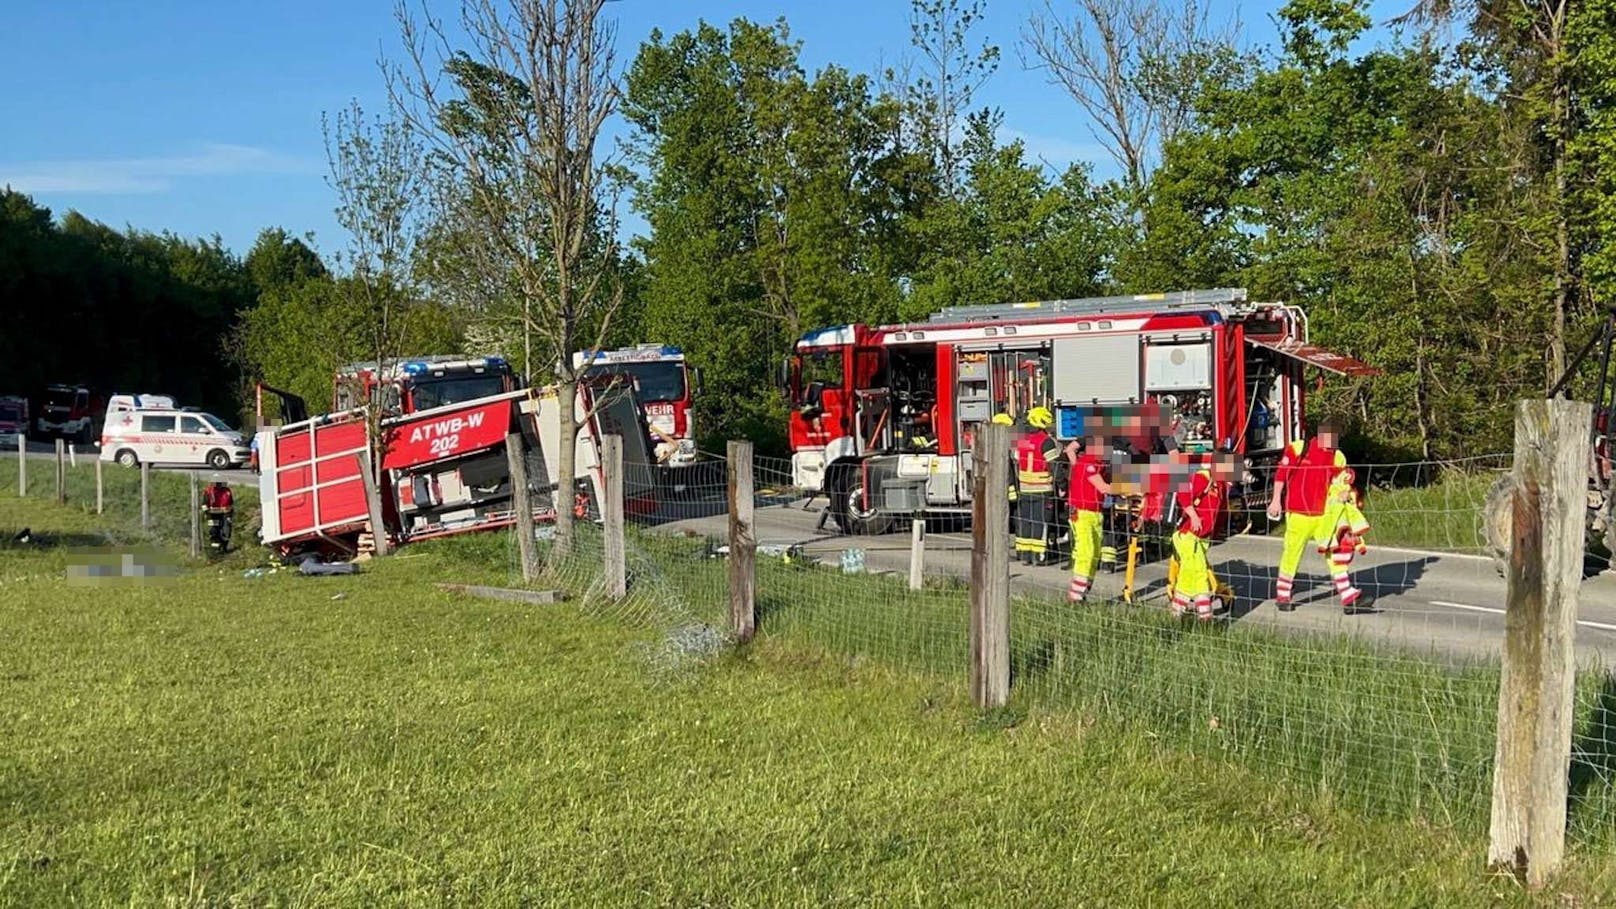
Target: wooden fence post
1531, 772
99, 488
22, 464
742, 544
611, 451
61, 471
990, 568
917, 554
196, 520
522, 504
373, 503
145, 496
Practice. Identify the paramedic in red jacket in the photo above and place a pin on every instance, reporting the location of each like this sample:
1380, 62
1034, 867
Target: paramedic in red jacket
1086, 494
1198, 500
1301, 488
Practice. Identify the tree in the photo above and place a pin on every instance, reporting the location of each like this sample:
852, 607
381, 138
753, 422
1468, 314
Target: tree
1133, 66
514, 135
945, 82
376, 171
775, 199
1526, 43
278, 259
1011, 233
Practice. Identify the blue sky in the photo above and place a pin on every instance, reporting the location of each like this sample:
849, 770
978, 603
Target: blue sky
204, 118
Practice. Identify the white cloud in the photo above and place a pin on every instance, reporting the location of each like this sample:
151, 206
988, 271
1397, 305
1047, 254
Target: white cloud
124, 176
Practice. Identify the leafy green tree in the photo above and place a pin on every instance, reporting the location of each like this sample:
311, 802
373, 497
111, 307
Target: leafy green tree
775, 201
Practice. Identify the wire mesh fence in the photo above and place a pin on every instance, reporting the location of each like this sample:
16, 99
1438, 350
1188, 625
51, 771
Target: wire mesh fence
113, 494
1391, 708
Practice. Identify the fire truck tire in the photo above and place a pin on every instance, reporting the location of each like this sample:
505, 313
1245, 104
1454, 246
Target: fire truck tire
847, 491
127, 458
218, 459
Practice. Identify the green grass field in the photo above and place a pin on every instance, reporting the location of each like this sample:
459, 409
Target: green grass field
372, 741
1445, 515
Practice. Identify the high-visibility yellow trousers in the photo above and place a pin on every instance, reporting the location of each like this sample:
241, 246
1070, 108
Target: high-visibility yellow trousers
1086, 532
1302, 531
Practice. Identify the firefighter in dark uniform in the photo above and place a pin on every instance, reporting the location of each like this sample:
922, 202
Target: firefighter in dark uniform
1037, 457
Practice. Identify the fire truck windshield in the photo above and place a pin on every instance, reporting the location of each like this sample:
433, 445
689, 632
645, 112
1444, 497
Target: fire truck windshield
656, 381
822, 368
426, 394
10, 410
56, 397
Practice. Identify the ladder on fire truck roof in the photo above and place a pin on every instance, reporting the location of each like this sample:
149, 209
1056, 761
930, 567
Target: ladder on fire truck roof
1220, 298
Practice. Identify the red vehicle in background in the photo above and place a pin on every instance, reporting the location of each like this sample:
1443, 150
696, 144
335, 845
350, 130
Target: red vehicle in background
70, 412
412, 384
883, 418
13, 419
444, 464
666, 386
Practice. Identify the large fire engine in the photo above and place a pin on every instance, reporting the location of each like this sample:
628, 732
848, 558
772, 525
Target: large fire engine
883, 418
69, 412
13, 419
444, 468
665, 385
411, 384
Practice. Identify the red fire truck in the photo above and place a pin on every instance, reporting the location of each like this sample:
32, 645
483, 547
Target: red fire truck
444, 468
69, 412
665, 385
883, 417
412, 384
13, 419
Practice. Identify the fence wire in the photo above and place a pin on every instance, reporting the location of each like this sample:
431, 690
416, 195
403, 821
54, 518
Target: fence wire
1392, 708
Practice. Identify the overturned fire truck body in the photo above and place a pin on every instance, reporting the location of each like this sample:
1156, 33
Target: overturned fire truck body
444, 470
883, 418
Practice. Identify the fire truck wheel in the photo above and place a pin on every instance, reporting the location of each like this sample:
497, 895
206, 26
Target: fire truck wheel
847, 506
127, 458
218, 460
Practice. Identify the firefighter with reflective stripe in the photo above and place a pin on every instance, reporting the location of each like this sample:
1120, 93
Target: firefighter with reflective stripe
1086, 494
1302, 488
1036, 455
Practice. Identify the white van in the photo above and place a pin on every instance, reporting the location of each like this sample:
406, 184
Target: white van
164, 435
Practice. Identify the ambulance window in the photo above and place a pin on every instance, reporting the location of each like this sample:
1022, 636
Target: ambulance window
192, 426
155, 423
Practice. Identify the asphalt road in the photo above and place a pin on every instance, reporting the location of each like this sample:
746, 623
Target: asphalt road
241, 476
1431, 601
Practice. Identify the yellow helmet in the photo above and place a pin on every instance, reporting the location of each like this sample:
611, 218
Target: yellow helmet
1040, 418
1003, 419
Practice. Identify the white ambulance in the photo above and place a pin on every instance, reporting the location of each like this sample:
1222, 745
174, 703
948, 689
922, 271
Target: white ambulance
150, 429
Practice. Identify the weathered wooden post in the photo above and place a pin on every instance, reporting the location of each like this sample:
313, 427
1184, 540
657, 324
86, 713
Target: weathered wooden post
196, 520
742, 544
522, 503
1531, 773
990, 568
145, 496
22, 464
917, 554
61, 471
100, 490
611, 454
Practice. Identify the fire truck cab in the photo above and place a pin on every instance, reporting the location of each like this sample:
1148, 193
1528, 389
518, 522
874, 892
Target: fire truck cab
882, 419
413, 384
664, 384
69, 412
13, 419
